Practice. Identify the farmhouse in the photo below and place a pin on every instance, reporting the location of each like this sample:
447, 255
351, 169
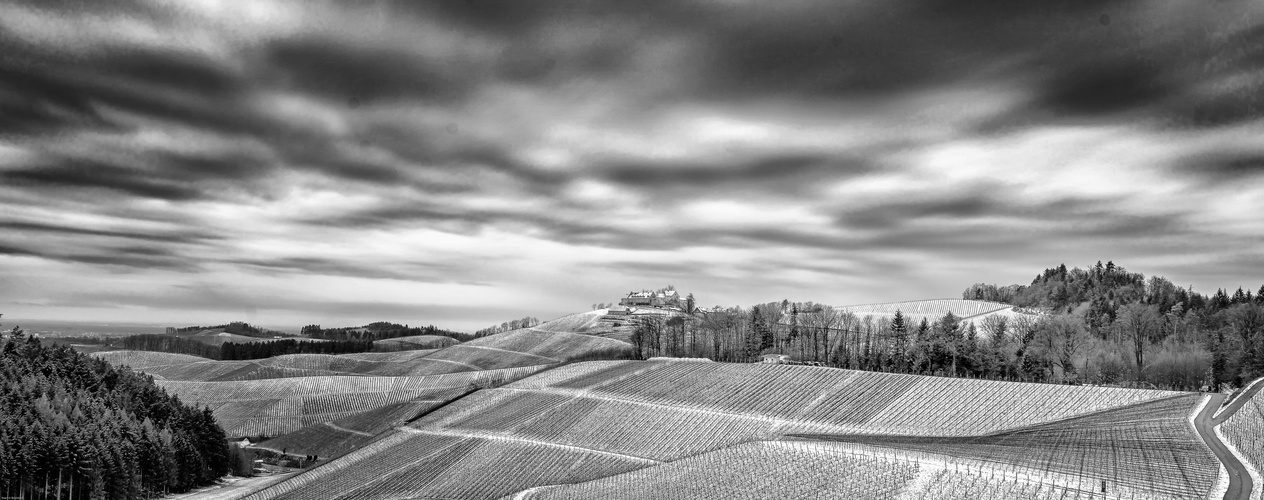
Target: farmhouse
620, 311
657, 298
776, 359
637, 299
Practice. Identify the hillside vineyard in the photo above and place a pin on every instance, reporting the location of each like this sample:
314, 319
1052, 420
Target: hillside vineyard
688, 429
273, 407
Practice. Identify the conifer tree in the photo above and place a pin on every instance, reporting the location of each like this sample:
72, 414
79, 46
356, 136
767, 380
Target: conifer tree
899, 334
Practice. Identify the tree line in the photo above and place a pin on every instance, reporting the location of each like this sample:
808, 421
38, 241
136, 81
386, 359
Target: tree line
1165, 332
1100, 326
235, 328
168, 343
379, 330
241, 350
526, 322
260, 350
75, 427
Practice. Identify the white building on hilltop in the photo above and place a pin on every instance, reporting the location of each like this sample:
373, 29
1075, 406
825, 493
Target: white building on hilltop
657, 298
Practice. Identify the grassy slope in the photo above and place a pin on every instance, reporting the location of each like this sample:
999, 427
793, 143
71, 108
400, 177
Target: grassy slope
417, 342
587, 421
597, 323
273, 407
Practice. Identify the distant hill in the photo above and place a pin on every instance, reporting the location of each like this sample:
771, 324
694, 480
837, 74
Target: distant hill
914, 311
276, 406
379, 330
283, 394
237, 328
616, 323
413, 342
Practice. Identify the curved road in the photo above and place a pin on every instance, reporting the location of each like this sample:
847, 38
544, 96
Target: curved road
1205, 423
1228, 411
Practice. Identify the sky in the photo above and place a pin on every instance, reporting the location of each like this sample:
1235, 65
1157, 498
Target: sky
467, 162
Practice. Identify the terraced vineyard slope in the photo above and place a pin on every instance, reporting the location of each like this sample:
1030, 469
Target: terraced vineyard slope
273, 407
332, 439
327, 396
600, 323
143, 359
600, 422
528, 346
586, 323
415, 342
1146, 446
757, 470
192, 368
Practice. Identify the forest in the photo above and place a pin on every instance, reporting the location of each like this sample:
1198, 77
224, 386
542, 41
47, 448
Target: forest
242, 350
379, 330
168, 343
236, 328
1102, 325
75, 427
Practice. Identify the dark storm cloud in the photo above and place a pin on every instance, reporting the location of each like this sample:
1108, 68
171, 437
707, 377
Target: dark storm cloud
135, 257
1105, 87
17, 251
360, 74
165, 236
510, 17
832, 50
57, 96
973, 226
1220, 167
1136, 226
32, 103
165, 68
413, 271
774, 174
111, 258
392, 216
162, 175
52, 92
128, 7
901, 212
496, 158
1082, 59
1076, 64
76, 173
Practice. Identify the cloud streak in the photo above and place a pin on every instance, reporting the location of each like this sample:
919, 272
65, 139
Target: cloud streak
501, 159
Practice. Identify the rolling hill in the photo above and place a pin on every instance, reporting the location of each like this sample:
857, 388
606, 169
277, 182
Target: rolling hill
934, 309
144, 359
414, 342
276, 406
523, 414
613, 429
600, 323
328, 396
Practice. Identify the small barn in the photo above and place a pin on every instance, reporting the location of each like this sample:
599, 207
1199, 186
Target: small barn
775, 359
